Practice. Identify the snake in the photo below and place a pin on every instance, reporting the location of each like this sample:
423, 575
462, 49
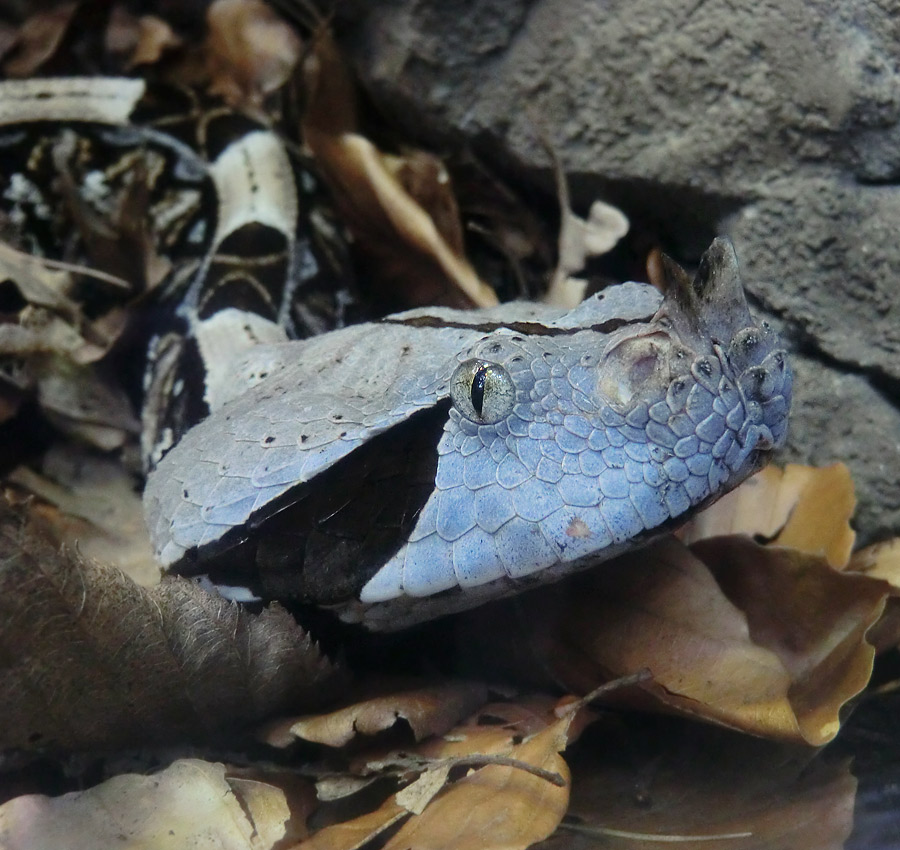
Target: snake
401, 469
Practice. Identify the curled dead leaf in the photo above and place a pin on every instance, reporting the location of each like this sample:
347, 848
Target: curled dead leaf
88, 502
190, 803
38, 39
766, 640
398, 234
802, 507
429, 710
251, 51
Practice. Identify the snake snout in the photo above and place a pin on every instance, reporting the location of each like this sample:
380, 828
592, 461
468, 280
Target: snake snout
759, 361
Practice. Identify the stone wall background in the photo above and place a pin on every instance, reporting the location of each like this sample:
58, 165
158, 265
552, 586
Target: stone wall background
776, 122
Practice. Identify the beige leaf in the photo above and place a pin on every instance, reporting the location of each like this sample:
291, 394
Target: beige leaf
190, 804
579, 239
429, 710
92, 505
802, 507
252, 51
402, 238
498, 806
881, 560
39, 283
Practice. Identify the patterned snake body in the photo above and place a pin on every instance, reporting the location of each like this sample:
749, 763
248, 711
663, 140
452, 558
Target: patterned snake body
399, 470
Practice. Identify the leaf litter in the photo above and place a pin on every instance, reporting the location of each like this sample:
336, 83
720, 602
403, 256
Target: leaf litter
758, 619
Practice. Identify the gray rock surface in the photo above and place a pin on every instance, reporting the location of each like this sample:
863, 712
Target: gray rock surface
775, 122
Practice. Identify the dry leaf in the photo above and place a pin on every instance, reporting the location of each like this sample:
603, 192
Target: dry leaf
38, 282
579, 239
762, 639
426, 180
882, 561
190, 804
138, 40
357, 832
804, 507
682, 784
515, 795
498, 806
251, 51
90, 659
81, 403
92, 505
39, 38
769, 641
389, 224
429, 710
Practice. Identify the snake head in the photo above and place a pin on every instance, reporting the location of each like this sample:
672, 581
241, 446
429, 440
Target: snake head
708, 360
572, 445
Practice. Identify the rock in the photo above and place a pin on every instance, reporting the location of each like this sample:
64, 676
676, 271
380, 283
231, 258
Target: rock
775, 122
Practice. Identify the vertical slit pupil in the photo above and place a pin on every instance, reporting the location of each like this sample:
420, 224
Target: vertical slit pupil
478, 381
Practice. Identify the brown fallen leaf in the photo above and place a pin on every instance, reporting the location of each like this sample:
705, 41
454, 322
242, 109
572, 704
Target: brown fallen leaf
92, 505
78, 401
190, 803
409, 252
766, 640
514, 793
882, 561
138, 40
802, 507
90, 659
497, 806
357, 832
579, 239
428, 709
679, 783
38, 39
251, 51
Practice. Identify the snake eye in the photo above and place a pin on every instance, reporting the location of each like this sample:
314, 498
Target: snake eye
482, 391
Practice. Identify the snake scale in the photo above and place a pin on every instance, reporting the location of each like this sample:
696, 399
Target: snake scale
398, 470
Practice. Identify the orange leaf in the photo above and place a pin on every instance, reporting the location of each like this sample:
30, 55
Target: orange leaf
764, 640
803, 507
497, 806
428, 711
357, 832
